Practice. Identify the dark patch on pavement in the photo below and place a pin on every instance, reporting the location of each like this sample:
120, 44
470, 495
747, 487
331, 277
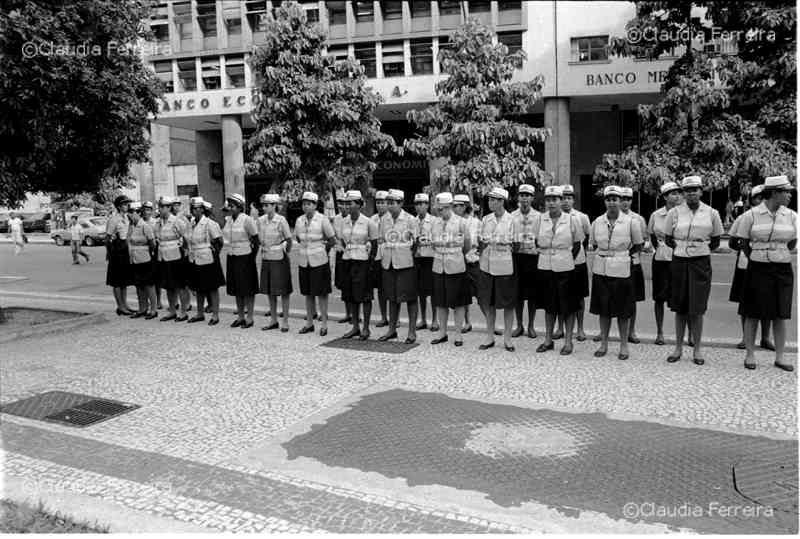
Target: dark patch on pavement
386, 347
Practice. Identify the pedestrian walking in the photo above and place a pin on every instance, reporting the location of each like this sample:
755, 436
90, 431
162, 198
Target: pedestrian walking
462, 206
693, 229
526, 258
558, 239
498, 287
173, 268
423, 260
76, 240
376, 269
636, 268
358, 240
240, 236
205, 242
399, 230
118, 274
768, 233
581, 272
661, 277
276, 272
615, 238
17, 233
142, 246
315, 236
338, 268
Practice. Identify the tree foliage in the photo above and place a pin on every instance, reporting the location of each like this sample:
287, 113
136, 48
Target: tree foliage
315, 122
75, 95
472, 122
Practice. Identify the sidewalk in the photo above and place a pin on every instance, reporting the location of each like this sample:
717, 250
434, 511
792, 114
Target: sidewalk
240, 430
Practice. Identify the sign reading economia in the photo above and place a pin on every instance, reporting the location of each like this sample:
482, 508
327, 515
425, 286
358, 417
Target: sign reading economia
624, 78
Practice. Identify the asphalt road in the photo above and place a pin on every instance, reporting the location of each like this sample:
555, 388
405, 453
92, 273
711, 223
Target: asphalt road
48, 270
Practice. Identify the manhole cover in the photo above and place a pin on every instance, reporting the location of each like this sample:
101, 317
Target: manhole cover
768, 483
388, 347
73, 409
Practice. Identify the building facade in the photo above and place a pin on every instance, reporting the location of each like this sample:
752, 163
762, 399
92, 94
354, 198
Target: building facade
202, 47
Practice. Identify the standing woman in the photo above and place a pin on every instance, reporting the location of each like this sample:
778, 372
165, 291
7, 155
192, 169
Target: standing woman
636, 269
315, 236
581, 272
18, 233
359, 242
118, 275
376, 269
186, 224
173, 270
205, 271
526, 258
338, 267
451, 241
768, 233
559, 240
671, 193
241, 240
423, 260
462, 206
615, 239
276, 272
142, 247
148, 217
693, 230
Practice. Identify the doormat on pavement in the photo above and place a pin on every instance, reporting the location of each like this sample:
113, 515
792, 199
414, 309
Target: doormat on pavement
65, 408
387, 347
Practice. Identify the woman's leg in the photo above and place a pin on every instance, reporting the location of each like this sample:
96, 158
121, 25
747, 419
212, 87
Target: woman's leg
201, 301
141, 298
250, 303
622, 325
239, 307
367, 310
531, 318
323, 311
750, 326
658, 309
442, 314
550, 322
569, 327
171, 300
579, 319
697, 334
779, 328
151, 299
459, 321
491, 314
285, 304
680, 328
743, 342
213, 299
605, 328
765, 342
310, 310
273, 309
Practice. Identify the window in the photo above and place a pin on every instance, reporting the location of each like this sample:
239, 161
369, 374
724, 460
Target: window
232, 15
336, 13
393, 65
444, 43
589, 49
364, 11
449, 7
338, 53
183, 19
392, 10
481, 6
186, 74
164, 73
512, 40
421, 56
207, 17
509, 6
312, 11
365, 53
256, 11
160, 12
420, 8
210, 73
160, 33
234, 71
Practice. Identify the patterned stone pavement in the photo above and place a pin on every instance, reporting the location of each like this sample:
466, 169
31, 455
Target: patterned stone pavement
209, 396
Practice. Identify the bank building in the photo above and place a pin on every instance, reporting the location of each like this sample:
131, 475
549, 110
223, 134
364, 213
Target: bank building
201, 50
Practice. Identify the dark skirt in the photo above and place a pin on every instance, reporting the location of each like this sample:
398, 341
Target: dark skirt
207, 277
498, 291
339, 272
144, 274
241, 275
612, 297
526, 268
424, 267
376, 274
174, 274
400, 285
691, 284
557, 294
767, 291
662, 280
474, 278
450, 290
315, 281
580, 278
737, 283
119, 273
276, 277
356, 285
638, 281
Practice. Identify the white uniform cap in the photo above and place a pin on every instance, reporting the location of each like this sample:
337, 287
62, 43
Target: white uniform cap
135, 206
669, 187
444, 199
739, 203
526, 188
236, 197
196, 201
207, 205
777, 182
270, 198
461, 199
755, 191
311, 197
692, 181
567, 189
176, 200
147, 204
421, 197
611, 190
165, 200
498, 192
381, 195
341, 195
396, 194
626, 192
553, 191
353, 195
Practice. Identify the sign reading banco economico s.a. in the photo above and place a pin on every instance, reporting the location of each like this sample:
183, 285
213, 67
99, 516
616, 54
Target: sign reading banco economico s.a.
208, 102
625, 78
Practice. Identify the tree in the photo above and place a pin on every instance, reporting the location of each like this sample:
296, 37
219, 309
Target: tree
315, 121
472, 122
75, 96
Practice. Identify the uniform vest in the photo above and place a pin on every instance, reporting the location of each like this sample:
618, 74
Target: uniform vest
448, 245
525, 227
555, 247
496, 258
356, 237
612, 257
200, 252
170, 239
311, 240
138, 242
273, 235
425, 247
398, 239
236, 236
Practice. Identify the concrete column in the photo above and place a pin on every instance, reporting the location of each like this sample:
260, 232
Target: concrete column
232, 154
208, 148
160, 157
556, 146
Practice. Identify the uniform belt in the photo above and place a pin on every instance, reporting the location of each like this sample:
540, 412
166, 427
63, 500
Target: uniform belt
137, 243
610, 253
554, 250
448, 250
771, 246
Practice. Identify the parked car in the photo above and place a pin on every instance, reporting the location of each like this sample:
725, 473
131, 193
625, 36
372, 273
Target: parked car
35, 222
4, 217
94, 232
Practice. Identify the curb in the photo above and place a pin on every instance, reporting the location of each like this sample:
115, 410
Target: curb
82, 319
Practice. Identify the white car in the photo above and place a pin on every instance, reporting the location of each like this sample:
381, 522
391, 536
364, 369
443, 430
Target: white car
94, 232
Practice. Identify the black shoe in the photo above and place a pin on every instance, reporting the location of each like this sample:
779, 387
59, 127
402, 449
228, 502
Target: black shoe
458, 343
673, 359
345, 320
741, 346
467, 328
274, 325
580, 338
236, 323
323, 332
558, 335
531, 334
421, 326
750, 366
247, 325
787, 368
634, 340
213, 322
139, 314
699, 361
183, 318
439, 340
600, 353
352, 333
509, 347
384, 338
150, 316
498, 332
168, 317
382, 324
659, 341
545, 347
486, 346
364, 335
306, 329
208, 310
565, 350
517, 332
597, 338
189, 307
194, 319
623, 357
122, 312
766, 345
410, 340
434, 327
284, 330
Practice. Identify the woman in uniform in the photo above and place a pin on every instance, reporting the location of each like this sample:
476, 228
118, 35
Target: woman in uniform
693, 229
205, 270
118, 275
240, 235
358, 239
558, 239
375, 270
451, 242
172, 269
462, 206
581, 272
149, 217
615, 237
526, 258
768, 233
338, 268
636, 268
315, 236
276, 273
498, 287
671, 193
142, 247
423, 260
